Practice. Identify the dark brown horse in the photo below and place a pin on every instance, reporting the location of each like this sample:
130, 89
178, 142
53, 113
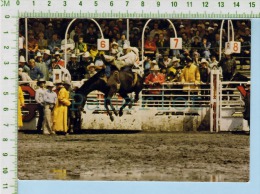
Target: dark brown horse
97, 82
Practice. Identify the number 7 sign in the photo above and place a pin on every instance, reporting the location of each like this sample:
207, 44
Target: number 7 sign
176, 43
103, 44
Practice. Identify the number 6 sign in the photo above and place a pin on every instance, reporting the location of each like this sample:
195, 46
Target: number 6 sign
233, 46
103, 44
176, 43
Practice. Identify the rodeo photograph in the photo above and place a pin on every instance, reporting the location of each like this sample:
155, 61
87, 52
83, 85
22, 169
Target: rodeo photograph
134, 99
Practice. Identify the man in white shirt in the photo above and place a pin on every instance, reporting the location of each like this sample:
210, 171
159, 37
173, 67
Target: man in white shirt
128, 60
49, 98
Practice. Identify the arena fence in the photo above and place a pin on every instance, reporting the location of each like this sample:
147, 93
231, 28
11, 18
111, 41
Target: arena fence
216, 106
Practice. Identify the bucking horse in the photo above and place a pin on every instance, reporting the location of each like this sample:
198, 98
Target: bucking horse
129, 82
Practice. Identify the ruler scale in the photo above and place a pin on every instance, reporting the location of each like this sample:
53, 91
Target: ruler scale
11, 11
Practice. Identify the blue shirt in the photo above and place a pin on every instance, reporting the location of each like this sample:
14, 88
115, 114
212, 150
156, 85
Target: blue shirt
35, 73
50, 97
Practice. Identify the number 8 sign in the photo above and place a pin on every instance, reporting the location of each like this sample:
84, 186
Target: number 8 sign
103, 44
176, 43
233, 46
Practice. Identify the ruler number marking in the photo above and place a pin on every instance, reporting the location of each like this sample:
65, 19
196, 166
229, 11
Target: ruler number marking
158, 3
64, 3
221, 4
5, 154
5, 139
236, 4
252, 4
80, 3
142, 3
5, 170
205, 4
189, 3
49, 3
126, 2
95, 3
174, 3
111, 3
33, 3
5, 186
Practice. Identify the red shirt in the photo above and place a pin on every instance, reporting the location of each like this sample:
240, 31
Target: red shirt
159, 79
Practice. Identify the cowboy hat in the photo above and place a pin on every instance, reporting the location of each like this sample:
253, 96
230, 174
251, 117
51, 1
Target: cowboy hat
66, 82
49, 84
41, 80
57, 53
91, 65
174, 59
155, 68
126, 46
47, 52
73, 56
22, 59
114, 43
228, 52
38, 55
204, 61
210, 28
20, 69
86, 54
153, 61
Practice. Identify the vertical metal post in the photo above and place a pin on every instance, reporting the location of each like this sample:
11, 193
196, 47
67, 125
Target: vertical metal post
26, 39
127, 29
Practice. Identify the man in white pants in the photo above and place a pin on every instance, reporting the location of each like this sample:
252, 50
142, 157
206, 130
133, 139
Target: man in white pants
49, 98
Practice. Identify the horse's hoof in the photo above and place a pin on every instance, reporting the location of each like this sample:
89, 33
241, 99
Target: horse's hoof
111, 118
120, 113
115, 112
130, 106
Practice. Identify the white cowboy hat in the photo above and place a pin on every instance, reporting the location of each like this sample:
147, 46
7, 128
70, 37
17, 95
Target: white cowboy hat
57, 53
67, 82
215, 25
49, 84
49, 24
174, 59
76, 85
22, 59
228, 52
73, 56
91, 65
210, 28
153, 61
155, 68
126, 46
86, 54
204, 61
46, 51
114, 43
181, 26
39, 54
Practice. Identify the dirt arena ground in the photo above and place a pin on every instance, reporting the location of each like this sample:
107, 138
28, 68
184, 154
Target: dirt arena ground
142, 156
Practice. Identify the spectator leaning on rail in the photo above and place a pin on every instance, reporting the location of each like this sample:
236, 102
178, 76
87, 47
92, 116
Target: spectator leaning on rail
39, 98
73, 67
228, 65
205, 78
60, 114
190, 75
42, 66
49, 98
154, 81
23, 76
35, 72
22, 64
